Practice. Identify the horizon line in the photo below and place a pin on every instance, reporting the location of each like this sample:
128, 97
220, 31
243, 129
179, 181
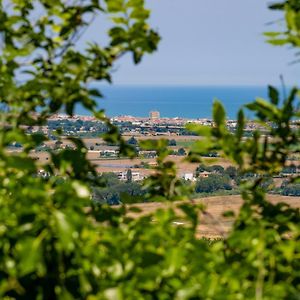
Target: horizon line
186, 85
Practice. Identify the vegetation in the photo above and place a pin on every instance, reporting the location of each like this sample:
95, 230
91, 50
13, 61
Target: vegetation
231, 172
77, 127
290, 189
172, 142
181, 152
57, 244
213, 183
132, 141
115, 192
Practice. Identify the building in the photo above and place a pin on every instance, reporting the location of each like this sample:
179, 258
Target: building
109, 153
135, 176
188, 176
154, 115
204, 174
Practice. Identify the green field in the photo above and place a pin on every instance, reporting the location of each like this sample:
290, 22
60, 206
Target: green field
184, 144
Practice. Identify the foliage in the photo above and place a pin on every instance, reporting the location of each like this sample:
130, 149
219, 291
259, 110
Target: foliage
291, 169
266, 230
181, 152
164, 184
129, 175
57, 244
48, 237
172, 142
132, 141
290, 35
211, 169
115, 192
290, 189
231, 172
212, 183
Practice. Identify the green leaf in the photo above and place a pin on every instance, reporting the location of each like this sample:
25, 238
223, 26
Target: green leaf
30, 255
273, 95
65, 230
272, 34
278, 42
200, 130
115, 6
219, 114
140, 14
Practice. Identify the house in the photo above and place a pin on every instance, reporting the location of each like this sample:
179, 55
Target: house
188, 176
204, 174
148, 153
135, 176
109, 153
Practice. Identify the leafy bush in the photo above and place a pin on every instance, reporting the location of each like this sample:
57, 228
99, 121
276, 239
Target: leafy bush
212, 169
181, 152
132, 141
212, 183
231, 172
290, 189
55, 243
172, 142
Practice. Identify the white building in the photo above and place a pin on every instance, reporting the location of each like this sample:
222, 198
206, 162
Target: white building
136, 176
188, 176
109, 153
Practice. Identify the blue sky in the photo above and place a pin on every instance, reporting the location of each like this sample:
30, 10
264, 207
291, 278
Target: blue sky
209, 42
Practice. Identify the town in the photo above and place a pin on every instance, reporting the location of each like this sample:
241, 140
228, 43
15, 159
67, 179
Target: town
154, 125
217, 176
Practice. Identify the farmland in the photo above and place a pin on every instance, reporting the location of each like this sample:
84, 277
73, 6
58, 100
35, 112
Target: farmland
212, 223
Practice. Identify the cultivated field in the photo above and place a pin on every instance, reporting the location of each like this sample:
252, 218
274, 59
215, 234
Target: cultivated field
112, 165
212, 223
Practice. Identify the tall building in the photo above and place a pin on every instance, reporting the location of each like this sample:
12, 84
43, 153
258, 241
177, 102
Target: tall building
154, 115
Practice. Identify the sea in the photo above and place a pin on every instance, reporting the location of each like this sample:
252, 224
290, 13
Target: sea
174, 101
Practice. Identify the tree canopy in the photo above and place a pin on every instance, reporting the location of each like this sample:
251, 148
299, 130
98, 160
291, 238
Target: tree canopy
55, 243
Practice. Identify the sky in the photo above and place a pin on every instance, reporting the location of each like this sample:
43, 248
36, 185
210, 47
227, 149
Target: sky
209, 42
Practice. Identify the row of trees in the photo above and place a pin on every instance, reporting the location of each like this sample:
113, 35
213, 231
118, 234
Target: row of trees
117, 192
231, 171
213, 183
134, 141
